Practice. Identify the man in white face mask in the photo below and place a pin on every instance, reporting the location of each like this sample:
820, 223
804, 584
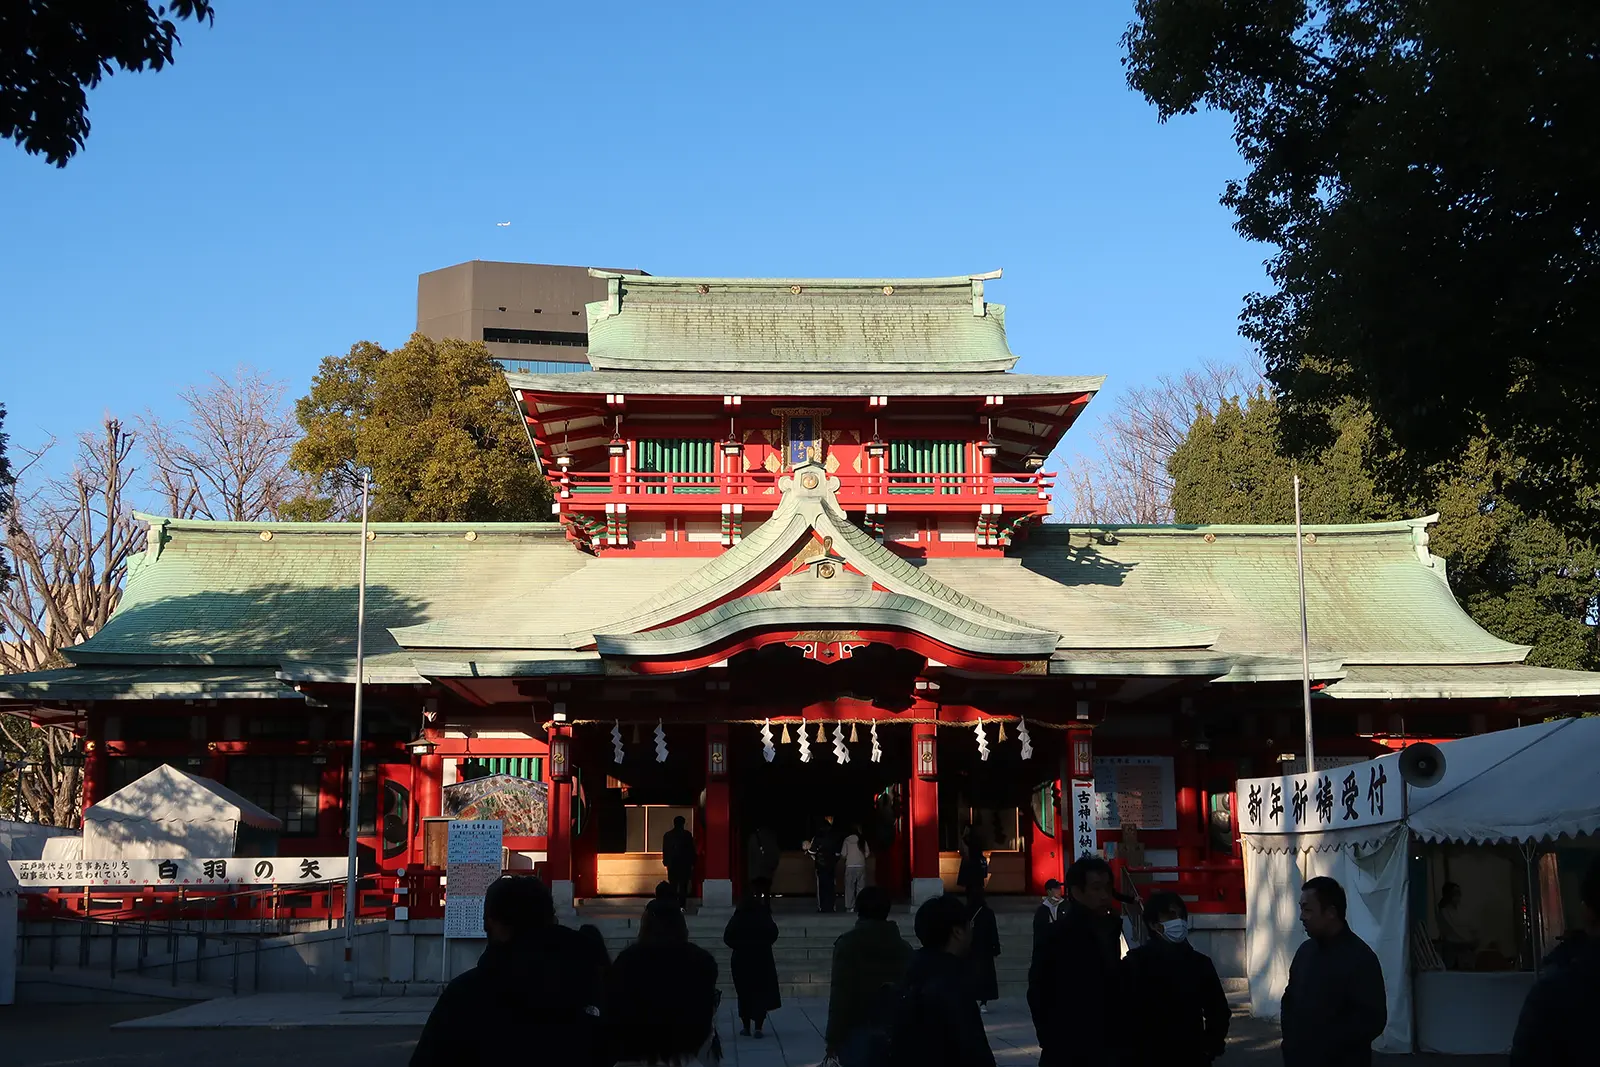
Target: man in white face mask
1183, 1010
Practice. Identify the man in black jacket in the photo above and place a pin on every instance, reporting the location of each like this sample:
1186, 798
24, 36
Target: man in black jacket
1334, 1007
1177, 1013
677, 856
1072, 984
1556, 1027
534, 977
935, 1020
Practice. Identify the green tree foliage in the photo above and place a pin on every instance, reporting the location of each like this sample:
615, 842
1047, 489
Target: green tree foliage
1425, 169
1518, 575
53, 51
434, 423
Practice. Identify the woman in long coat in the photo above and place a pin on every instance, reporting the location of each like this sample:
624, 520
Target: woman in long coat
985, 947
751, 933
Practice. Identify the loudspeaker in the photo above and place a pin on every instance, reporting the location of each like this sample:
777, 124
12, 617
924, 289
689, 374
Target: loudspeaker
1421, 765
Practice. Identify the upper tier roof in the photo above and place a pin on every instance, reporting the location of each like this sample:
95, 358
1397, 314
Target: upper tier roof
796, 324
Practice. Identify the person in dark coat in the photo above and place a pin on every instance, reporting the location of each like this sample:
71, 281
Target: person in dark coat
824, 850
1334, 1006
1177, 1012
1072, 983
761, 861
661, 995
1048, 911
533, 973
935, 1020
751, 934
677, 856
869, 961
1556, 1027
973, 872
985, 947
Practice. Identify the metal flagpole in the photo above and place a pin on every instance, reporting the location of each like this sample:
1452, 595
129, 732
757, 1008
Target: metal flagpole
1305, 632
355, 754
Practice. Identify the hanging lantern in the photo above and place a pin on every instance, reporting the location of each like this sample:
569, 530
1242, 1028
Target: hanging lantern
877, 448
928, 756
561, 758
717, 759
988, 449
617, 447
1082, 754
1033, 461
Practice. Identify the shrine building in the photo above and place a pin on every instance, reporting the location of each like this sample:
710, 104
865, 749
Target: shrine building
801, 564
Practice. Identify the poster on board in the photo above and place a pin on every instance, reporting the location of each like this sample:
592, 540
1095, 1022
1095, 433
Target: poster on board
473, 860
1136, 791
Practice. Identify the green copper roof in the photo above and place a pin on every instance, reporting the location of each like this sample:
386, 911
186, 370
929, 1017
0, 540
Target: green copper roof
1474, 682
262, 593
825, 382
146, 683
1374, 594
788, 324
802, 510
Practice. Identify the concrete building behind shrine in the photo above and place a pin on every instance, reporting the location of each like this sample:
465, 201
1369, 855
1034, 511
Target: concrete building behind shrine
798, 567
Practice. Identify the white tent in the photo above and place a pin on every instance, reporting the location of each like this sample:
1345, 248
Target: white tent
169, 814
1522, 786
1536, 783
19, 841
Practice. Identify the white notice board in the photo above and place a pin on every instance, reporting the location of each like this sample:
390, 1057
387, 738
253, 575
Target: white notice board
1135, 791
472, 863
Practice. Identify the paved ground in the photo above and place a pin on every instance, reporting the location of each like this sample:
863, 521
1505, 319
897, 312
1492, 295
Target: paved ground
318, 1031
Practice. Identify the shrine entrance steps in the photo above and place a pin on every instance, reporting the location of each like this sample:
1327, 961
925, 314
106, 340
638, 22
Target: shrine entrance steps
804, 950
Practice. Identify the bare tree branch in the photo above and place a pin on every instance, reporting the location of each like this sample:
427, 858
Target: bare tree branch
69, 544
228, 458
1124, 478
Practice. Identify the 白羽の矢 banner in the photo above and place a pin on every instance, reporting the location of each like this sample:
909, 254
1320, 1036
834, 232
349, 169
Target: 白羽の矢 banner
225, 871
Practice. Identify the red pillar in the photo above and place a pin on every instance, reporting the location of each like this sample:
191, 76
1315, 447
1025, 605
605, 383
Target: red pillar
717, 879
94, 771
923, 800
558, 847
1191, 825
429, 783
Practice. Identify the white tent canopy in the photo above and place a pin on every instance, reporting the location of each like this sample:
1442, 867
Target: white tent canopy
1536, 783
1531, 784
169, 814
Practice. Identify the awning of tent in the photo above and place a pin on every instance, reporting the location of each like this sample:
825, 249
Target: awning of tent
167, 794
1536, 783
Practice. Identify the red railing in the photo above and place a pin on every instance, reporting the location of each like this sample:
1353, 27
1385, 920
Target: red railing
754, 489
377, 896
1209, 888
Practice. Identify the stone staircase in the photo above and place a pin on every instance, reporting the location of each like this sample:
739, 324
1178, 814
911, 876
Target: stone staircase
804, 950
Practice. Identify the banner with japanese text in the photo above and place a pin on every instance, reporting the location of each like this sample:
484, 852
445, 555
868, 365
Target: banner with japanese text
473, 860
226, 871
1081, 807
1331, 798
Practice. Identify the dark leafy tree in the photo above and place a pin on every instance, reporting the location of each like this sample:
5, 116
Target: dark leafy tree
1429, 174
52, 52
1518, 575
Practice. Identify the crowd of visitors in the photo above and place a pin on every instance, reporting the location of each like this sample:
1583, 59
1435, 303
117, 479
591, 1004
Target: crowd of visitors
891, 1005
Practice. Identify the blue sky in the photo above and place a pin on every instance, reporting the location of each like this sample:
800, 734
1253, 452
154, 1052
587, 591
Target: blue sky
271, 198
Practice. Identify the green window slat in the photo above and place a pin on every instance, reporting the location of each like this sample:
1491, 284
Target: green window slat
679, 455
926, 457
